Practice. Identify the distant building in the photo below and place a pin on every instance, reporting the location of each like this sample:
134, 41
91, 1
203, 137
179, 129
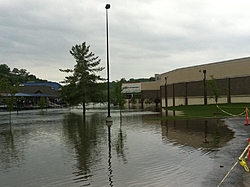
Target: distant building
142, 92
185, 86
30, 93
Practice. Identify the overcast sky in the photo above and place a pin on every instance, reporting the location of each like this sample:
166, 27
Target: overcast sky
146, 37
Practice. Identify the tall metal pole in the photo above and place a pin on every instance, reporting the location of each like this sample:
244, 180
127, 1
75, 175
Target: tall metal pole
109, 119
205, 89
166, 98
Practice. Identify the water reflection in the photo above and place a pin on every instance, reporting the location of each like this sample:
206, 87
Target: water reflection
208, 135
170, 112
109, 158
83, 136
206, 131
120, 146
9, 152
67, 149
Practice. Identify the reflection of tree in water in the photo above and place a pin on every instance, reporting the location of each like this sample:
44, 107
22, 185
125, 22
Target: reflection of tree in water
83, 135
10, 149
206, 134
219, 137
119, 145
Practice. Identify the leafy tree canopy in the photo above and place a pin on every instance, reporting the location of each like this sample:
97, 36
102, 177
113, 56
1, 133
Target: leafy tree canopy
211, 86
117, 96
7, 88
82, 83
4, 69
17, 76
133, 80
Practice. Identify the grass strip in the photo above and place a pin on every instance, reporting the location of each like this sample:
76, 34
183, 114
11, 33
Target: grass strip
206, 111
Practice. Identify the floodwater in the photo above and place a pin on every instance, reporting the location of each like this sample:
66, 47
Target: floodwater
57, 147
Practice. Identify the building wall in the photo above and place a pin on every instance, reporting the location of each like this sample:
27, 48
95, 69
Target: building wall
130, 88
154, 85
185, 86
231, 90
224, 69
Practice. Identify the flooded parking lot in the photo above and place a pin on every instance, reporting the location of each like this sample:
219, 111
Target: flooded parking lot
63, 148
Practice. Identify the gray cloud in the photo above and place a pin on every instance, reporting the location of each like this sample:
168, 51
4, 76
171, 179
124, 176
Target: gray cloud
146, 37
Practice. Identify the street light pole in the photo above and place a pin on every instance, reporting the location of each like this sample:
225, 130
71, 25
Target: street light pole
205, 89
166, 98
108, 119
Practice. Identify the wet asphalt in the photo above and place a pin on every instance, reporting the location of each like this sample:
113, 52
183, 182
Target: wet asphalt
227, 156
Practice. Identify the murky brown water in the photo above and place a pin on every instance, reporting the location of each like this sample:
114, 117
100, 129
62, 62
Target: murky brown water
61, 148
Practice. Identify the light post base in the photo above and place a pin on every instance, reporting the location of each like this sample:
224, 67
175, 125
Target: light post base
109, 121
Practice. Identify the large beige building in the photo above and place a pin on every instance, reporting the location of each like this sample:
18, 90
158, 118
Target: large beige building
185, 86
225, 69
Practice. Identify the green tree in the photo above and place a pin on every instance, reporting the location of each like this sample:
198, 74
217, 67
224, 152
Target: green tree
8, 91
15, 71
42, 102
117, 96
133, 100
17, 76
211, 86
23, 72
82, 85
4, 69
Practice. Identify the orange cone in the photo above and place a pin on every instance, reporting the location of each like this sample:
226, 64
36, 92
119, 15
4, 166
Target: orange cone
248, 154
247, 122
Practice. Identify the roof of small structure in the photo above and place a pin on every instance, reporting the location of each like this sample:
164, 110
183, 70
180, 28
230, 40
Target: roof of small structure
53, 85
31, 95
38, 91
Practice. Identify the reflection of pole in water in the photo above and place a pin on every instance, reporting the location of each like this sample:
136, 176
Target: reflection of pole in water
10, 117
206, 131
167, 127
120, 118
109, 159
164, 126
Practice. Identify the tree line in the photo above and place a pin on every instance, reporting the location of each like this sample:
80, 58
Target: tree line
17, 75
81, 85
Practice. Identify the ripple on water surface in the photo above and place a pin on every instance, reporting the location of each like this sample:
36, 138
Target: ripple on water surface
64, 149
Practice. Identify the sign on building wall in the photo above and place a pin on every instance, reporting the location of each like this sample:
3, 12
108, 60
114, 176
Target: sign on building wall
131, 88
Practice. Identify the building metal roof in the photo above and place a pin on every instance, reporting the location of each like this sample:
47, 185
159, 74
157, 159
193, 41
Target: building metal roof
38, 91
32, 95
52, 85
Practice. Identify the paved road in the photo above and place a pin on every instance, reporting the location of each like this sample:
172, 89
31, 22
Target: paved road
228, 156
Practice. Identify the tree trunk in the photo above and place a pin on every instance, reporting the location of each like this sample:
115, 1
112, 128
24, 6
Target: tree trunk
83, 108
10, 118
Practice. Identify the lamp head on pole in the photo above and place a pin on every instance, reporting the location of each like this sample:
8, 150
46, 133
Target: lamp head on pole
107, 6
166, 79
